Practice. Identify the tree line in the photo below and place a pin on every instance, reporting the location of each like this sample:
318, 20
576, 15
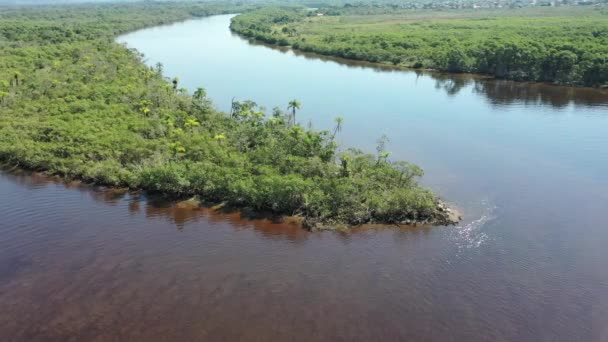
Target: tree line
564, 46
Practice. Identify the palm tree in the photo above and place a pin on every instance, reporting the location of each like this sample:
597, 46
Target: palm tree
294, 105
191, 122
199, 94
16, 76
339, 120
296, 131
219, 138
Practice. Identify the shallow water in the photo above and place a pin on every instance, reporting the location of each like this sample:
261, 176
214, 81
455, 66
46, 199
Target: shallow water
527, 163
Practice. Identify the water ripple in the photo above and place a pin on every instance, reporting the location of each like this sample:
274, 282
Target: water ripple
471, 235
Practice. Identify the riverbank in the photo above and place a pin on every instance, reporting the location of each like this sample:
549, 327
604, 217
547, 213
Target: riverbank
446, 215
526, 162
88, 108
521, 45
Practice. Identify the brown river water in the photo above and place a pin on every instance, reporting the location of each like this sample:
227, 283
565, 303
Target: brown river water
526, 163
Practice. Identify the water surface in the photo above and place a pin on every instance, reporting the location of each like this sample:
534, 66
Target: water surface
527, 163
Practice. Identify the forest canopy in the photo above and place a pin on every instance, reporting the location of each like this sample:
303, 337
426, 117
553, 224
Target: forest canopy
565, 45
75, 103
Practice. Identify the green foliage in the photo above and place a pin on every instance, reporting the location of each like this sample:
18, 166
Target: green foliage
74, 103
561, 45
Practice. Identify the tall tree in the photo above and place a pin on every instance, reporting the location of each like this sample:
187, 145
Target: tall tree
17, 77
339, 121
294, 105
199, 95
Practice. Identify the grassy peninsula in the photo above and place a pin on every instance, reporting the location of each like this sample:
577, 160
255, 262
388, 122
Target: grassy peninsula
75, 103
564, 45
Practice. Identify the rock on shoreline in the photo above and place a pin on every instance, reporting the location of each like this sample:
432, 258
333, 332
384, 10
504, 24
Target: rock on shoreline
443, 216
447, 216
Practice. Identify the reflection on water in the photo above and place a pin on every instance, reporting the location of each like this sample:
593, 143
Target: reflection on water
87, 263
507, 93
178, 213
529, 262
498, 92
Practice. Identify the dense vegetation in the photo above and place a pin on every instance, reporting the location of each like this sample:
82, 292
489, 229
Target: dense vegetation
75, 103
565, 45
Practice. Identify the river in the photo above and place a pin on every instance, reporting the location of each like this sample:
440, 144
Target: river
526, 163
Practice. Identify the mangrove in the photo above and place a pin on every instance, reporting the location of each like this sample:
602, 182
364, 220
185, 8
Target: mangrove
564, 45
75, 103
